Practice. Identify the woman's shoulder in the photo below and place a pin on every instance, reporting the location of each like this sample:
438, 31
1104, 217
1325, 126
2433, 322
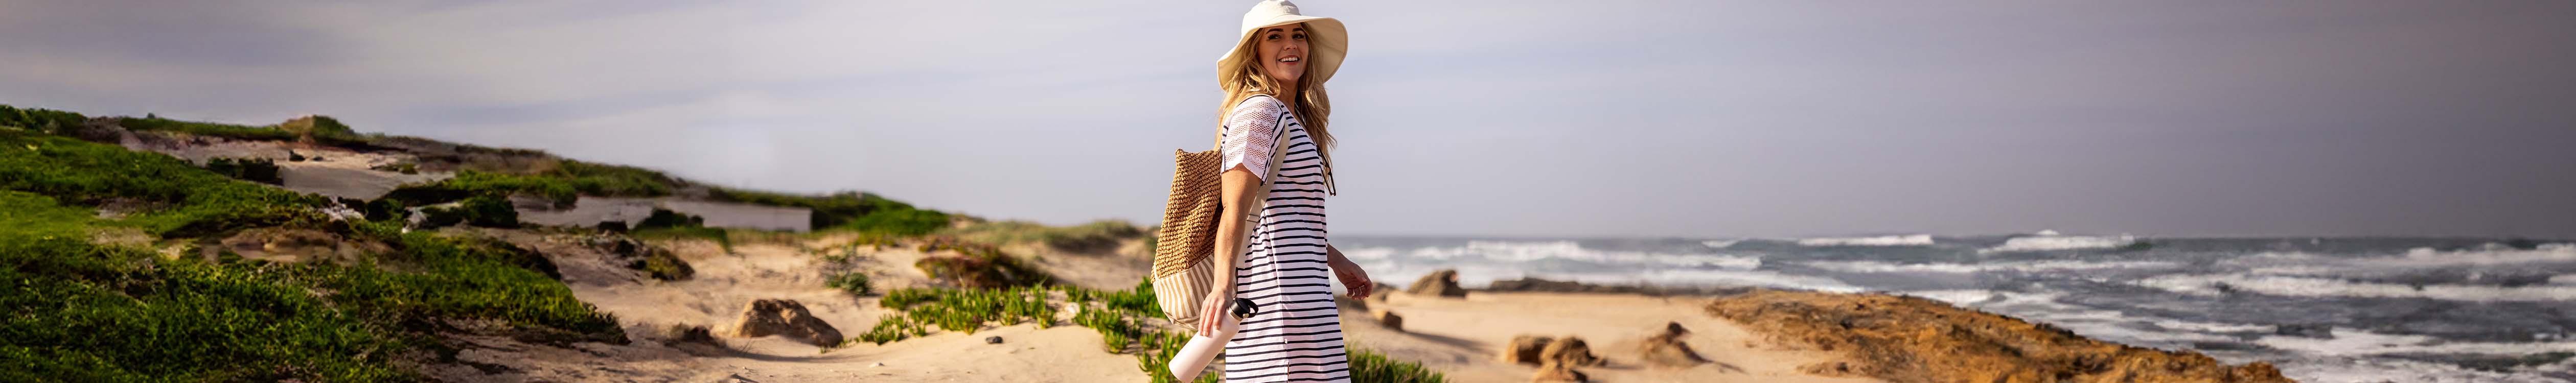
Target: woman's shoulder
1257, 105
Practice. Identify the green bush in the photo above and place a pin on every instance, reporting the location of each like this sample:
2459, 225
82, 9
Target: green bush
235, 131
469, 184
854, 282
197, 202
854, 211
1093, 237
249, 169
85, 312
45, 120
662, 218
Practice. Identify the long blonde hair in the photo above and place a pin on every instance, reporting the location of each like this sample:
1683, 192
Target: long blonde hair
1313, 107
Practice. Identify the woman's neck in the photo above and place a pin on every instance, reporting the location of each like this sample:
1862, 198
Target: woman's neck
1288, 95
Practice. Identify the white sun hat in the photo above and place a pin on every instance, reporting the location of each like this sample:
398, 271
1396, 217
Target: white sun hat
1327, 41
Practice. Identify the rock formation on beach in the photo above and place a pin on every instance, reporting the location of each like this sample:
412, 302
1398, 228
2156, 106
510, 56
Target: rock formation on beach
1909, 339
1666, 349
783, 317
1443, 283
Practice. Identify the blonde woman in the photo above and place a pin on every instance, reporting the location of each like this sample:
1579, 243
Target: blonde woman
1274, 89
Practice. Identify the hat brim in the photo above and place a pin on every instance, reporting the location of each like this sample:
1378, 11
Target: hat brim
1325, 54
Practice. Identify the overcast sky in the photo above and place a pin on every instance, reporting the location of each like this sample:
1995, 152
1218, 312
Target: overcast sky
1489, 118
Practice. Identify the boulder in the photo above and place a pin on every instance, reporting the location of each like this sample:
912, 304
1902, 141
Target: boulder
783, 317
1524, 349
1667, 350
1443, 283
1390, 320
1570, 351
1558, 373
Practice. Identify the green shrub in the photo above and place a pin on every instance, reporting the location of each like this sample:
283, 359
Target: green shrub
197, 202
259, 170
1093, 237
490, 211
235, 131
662, 218
45, 120
854, 282
469, 184
1370, 366
854, 211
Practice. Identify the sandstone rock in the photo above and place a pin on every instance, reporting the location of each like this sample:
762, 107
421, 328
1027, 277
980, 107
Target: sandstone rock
1570, 351
1667, 350
1908, 339
1390, 320
783, 317
1558, 373
1524, 349
1443, 283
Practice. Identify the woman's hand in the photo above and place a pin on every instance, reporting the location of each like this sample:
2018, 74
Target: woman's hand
1219, 305
1354, 280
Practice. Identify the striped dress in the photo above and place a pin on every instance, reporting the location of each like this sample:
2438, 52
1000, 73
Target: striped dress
1296, 334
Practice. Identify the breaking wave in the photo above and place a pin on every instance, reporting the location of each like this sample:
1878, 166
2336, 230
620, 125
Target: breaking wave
2061, 242
1889, 240
2301, 286
2029, 266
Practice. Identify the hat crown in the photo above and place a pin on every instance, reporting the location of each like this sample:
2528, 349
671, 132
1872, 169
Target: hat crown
1264, 12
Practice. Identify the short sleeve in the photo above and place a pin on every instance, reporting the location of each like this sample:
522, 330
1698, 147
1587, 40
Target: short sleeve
1249, 135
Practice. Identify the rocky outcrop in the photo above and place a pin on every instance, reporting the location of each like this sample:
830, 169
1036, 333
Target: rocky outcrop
1911, 340
1443, 283
783, 317
1524, 349
1570, 351
1558, 373
1666, 349
1390, 320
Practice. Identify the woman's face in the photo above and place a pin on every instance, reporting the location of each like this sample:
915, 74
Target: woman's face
1282, 50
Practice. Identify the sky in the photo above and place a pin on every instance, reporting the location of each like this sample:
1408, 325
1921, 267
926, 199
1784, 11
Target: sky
1506, 118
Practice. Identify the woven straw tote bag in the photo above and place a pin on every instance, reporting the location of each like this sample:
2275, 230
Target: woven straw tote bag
1184, 249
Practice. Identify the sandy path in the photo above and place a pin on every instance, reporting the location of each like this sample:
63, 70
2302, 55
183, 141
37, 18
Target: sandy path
725, 281
1462, 337
1459, 337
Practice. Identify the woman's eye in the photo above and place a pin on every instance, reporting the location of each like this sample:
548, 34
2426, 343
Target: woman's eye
1273, 37
1301, 36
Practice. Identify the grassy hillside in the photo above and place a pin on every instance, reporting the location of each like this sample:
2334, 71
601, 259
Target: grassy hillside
144, 293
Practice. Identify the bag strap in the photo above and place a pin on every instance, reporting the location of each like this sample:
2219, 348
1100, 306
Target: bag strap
1278, 144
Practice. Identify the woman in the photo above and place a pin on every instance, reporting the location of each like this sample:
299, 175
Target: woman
1273, 80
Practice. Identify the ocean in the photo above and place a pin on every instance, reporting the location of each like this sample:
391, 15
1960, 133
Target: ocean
2323, 310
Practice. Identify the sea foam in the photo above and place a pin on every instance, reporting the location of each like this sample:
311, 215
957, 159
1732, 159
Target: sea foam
2222, 284
2061, 242
1890, 240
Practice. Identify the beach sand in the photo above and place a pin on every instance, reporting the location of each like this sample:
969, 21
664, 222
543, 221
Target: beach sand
1460, 337
1463, 337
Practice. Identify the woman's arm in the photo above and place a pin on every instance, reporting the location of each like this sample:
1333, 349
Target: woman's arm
1234, 196
1354, 280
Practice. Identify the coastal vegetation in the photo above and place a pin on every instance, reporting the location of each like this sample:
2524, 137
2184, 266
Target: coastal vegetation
124, 265
154, 309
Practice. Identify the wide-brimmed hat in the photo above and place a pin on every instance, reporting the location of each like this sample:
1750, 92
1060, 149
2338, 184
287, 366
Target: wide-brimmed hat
1327, 41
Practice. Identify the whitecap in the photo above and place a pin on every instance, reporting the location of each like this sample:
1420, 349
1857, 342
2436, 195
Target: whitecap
2353, 342
2022, 266
1890, 240
2050, 242
1526, 251
1720, 244
2221, 284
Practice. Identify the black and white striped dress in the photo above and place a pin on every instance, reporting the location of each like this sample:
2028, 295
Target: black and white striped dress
1296, 335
